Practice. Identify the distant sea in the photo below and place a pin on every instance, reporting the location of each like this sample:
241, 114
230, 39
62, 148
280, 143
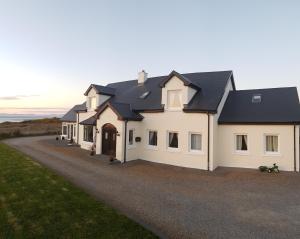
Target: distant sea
22, 117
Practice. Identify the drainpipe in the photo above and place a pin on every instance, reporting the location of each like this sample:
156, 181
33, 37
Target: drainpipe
77, 128
295, 167
125, 141
208, 139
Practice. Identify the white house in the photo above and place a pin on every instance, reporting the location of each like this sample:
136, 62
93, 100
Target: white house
196, 120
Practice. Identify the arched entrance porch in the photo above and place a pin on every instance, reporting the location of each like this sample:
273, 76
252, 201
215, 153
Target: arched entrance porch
109, 139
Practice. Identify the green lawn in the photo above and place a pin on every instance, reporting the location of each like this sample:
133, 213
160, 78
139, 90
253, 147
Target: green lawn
36, 203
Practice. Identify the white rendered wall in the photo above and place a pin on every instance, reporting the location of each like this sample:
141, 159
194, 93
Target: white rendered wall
134, 151
183, 123
256, 156
297, 147
214, 128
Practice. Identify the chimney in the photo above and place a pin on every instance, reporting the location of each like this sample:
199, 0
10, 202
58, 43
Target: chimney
142, 77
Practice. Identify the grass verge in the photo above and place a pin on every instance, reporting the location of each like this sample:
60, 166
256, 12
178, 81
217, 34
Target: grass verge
36, 203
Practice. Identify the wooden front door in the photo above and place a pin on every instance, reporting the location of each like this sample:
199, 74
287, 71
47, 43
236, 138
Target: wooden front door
109, 139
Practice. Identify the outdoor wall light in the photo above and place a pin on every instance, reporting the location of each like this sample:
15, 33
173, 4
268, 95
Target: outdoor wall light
138, 139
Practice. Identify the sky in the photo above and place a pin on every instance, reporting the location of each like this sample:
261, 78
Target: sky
51, 51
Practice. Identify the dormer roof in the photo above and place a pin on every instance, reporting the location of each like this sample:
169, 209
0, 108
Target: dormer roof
184, 79
103, 90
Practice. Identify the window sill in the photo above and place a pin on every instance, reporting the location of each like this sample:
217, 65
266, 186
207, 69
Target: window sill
88, 142
174, 110
173, 150
149, 147
241, 152
272, 154
196, 152
131, 146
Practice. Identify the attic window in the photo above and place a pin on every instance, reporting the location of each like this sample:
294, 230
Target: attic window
144, 95
256, 98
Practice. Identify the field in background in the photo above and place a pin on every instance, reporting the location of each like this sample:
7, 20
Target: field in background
30, 127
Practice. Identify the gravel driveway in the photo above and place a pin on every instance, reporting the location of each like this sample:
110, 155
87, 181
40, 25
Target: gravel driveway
176, 202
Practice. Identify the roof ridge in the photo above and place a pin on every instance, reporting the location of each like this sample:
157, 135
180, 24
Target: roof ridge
161, 76
272, 88
203, 72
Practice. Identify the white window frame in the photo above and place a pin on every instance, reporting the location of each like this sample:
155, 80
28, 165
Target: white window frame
171, 149
74, 130
84, 136
181, 101
64, 133
195, 151
154, 147
270, 153
90, 102
242, 152
131, 146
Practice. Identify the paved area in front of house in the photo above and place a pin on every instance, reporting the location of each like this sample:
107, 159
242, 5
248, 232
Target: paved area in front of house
177, 202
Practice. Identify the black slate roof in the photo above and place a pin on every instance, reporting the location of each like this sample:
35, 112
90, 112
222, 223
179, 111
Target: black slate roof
70, 116
211, 87
90, 121
277, 106
123, 111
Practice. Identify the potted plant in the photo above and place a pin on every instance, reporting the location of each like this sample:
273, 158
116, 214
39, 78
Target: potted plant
92, 151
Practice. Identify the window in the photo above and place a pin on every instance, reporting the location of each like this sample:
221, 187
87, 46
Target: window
130, 137
74, 133
144, 95
173, 140
271, 144
174, 99
241, 142
93, 103
88, 133
152, 138
195, 142
256, 98
64, 130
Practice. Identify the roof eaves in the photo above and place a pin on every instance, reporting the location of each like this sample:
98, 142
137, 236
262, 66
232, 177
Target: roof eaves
258, 123
187, 110
63, 120
150, 110
88, 90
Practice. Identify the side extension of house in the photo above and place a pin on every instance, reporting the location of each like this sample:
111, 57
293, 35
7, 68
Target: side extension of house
196, 120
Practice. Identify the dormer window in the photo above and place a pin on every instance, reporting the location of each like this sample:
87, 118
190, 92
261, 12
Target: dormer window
256, 98
174, 99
